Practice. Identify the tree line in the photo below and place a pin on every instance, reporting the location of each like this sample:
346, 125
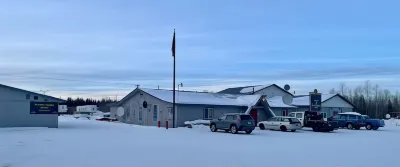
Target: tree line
370, 99
88, 101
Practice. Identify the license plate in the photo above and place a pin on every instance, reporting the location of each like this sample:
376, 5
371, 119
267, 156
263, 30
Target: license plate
249, 123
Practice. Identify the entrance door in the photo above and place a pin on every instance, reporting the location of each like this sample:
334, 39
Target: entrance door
253, 114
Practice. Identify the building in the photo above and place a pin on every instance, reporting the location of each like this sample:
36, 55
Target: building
274, 94
15, 109
148, 106
62, 109
331, 104
282, 102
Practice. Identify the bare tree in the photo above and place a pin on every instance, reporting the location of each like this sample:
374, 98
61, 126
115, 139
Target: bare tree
367, 88
342, 88
332, 91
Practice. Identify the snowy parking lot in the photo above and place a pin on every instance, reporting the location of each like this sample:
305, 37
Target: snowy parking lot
87, 143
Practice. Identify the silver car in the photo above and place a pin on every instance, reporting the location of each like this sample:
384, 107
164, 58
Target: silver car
281, 123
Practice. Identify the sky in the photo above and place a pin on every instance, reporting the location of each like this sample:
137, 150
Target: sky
102, 48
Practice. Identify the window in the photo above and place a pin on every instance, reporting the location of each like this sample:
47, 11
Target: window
323, 114
284, 112
155, 112
140, 113
294, 120
230, 117
272, 119
278, 119
223, 117
360, 118
366, 117
343, 116
336, 117
291, 115
35, 97
208, 113
27, 96
45, 99
170, 113
299, 115
352, 116
246, 117
285, 119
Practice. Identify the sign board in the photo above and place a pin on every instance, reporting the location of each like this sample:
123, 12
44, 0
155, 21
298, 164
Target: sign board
44, 108
315, 101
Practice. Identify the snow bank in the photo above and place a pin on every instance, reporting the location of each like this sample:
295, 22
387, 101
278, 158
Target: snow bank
197, 123
78, 143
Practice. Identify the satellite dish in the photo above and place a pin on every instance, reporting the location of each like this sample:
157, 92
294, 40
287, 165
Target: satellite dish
120, 111
387, 116
287, 99
286, 87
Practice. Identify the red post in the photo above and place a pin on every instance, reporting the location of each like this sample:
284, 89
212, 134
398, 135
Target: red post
159, 123
166, 124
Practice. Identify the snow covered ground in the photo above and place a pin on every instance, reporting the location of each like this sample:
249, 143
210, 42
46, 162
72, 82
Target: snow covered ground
89, 143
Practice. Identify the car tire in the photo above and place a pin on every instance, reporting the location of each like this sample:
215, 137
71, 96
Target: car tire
375, 128
262, 127
357, 128
349, 126
234, 129
316, 129
293, 130
213, 128
368, 127
283, 128
248, 131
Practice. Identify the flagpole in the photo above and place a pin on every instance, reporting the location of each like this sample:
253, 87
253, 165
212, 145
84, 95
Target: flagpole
173, 102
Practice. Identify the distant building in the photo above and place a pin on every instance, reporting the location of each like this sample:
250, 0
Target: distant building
87, 108
62, 109
148, 106
15, 108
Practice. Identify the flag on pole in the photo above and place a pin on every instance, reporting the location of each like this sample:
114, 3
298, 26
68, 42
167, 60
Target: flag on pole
173, 45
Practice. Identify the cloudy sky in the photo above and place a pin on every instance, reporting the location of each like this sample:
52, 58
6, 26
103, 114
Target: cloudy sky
103, 48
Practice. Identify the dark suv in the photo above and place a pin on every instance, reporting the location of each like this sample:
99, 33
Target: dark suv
233, 123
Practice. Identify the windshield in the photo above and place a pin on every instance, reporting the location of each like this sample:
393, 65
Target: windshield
365, 117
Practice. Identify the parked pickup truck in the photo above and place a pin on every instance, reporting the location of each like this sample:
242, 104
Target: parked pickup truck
315, 121
373, 123
349, 120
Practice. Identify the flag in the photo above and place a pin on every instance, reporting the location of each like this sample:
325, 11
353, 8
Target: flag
173, 45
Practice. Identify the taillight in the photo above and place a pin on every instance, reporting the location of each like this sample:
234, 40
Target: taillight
239, 120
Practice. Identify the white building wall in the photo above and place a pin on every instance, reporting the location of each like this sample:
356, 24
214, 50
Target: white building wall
86, 108
336, 102
272, 91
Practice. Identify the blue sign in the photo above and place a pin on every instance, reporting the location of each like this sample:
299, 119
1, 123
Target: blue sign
315, 102
44, 108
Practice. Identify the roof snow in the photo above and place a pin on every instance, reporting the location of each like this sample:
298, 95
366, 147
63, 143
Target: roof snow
351, 113
253, 88
277, 101
185, 97
305, 100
